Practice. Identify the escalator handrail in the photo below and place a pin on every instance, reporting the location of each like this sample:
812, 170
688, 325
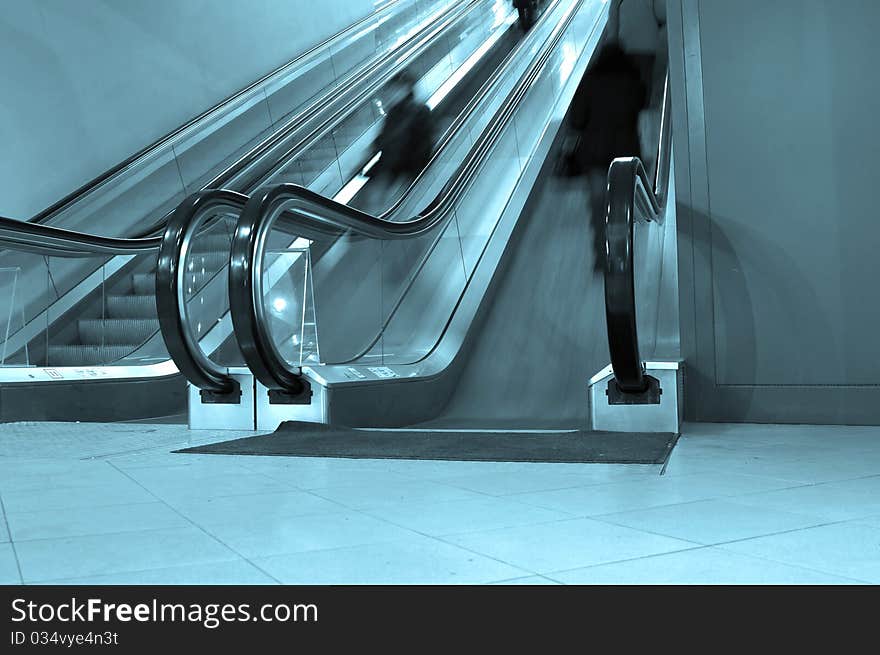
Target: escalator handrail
630, 195
297, 206
75, 196
189, 358
59, 242
37, 237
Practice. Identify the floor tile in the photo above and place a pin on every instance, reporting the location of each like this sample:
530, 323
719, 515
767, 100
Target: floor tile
319, 477
711, 521
410, 561
178, 486
541, 479
381, 493
84, 504
123, 492
235, 572
566, 544
835, 501
440, 470
663, 490
165, 457
806, 470
86, 474
189, 465
465, 515
870, 520
266, 506
81, 521
845, 549
74, 557
8, 567
701, 566
259, 537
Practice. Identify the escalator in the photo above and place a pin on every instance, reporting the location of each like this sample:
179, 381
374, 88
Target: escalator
393, 339
425, 313
519, 329
563, 327
92, 316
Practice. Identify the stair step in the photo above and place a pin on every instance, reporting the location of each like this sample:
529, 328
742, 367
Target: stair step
78, 355
216, 240
144, 283
116, 331
133, 306
207, 261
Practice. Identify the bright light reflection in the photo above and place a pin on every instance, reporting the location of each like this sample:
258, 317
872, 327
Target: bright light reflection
569, 57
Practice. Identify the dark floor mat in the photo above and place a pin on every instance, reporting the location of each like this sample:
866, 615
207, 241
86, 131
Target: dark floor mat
296, 439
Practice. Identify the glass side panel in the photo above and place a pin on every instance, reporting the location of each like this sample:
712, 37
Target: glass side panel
290, 304
206, 289
422, 280
19, 290
111, 320
347, 274
102, 310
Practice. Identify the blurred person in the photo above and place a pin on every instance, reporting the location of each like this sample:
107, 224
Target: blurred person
604, 117
527, 10
639, 28
406, 142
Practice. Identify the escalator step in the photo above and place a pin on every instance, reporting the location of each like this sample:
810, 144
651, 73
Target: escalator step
116, 331
86, 355
144, 283
206, 261
214, 241
134, 306
201, 268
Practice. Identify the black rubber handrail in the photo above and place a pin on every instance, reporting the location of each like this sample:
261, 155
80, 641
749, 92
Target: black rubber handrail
631, 195
54, 209
58, 242
291, 206
189, 358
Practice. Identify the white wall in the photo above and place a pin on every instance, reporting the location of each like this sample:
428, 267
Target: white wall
86, 83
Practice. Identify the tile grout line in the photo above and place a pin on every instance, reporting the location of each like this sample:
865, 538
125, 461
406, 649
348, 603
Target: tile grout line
719, 543
199, 527
626, 560
11, 542
704, 547
525, 577
447, 543
796, 566
365, 512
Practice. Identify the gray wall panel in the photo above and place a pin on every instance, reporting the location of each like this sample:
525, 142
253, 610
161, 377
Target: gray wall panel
776, 138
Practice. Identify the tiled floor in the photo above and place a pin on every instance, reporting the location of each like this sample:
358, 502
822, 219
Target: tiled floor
110, 504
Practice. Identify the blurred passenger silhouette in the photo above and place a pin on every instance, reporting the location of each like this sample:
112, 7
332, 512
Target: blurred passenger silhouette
406, 142
604, 116
527, 10
639, 28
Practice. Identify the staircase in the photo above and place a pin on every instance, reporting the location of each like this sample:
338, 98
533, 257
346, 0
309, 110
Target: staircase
129, 317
